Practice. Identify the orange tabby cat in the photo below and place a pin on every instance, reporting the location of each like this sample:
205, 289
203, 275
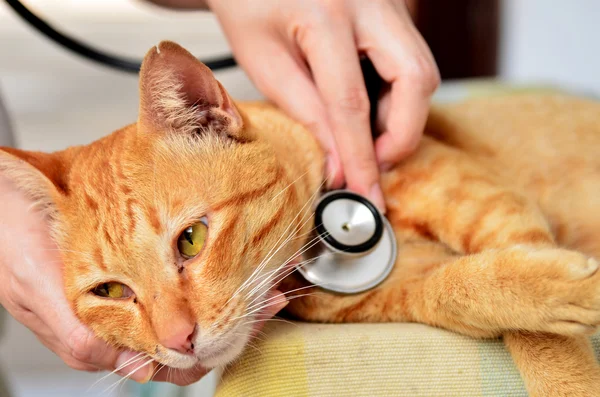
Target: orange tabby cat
175, 229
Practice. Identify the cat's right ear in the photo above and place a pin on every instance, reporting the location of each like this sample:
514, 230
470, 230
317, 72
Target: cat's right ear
180, 94
42, 177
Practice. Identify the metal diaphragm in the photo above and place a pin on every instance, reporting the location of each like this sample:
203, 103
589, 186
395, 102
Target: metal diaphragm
356, 248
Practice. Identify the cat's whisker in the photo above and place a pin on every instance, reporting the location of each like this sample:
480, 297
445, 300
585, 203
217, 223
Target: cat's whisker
286, 272
265, 306
289, 271
256, 271
279, 268
301, 251
267, 258
309, 201
253, 346
269, 255
303, 235
283, 264
287, 187
282, 277
270, 319
126, 377
250, 307
132, 360
160, 368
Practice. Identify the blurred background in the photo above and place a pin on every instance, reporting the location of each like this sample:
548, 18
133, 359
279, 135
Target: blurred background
56, 99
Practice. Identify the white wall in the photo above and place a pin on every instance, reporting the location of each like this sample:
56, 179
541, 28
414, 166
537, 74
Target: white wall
552, 41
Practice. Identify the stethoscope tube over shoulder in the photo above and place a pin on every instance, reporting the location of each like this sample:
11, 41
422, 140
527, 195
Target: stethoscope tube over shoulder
372, 80
93, 54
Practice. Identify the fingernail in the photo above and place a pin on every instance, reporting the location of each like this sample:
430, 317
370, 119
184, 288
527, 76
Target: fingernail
376, 196
142, 375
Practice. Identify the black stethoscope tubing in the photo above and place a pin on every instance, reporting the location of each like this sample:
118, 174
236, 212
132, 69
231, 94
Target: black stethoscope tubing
86, 51
373, 81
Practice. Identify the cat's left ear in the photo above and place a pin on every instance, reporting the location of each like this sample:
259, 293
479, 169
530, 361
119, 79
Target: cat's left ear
180, 94
42, 177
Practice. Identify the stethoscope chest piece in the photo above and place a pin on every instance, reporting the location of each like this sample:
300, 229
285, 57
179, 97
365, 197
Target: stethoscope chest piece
355, 247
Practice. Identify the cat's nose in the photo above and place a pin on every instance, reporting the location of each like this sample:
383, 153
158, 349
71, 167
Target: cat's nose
179, 335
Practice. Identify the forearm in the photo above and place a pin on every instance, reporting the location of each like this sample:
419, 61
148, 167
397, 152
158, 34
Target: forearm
182, 4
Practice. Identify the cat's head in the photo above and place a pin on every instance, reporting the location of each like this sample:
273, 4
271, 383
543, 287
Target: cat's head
172, 229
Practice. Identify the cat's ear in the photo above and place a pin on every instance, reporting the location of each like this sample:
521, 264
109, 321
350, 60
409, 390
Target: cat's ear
42, 177
179, 93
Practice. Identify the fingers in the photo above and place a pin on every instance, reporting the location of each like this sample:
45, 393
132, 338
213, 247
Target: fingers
298, 97
403, 59
277, 301
37, 299
332, 55
45, 335
78, 342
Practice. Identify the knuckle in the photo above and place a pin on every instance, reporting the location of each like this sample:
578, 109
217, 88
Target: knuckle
81, 344
425, 72
354, 101
78, 365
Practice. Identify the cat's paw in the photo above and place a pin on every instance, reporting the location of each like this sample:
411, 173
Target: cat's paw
564, 264
564, 291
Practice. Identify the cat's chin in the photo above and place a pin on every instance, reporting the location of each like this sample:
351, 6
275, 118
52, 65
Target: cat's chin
226, 352
224, 357
176, 360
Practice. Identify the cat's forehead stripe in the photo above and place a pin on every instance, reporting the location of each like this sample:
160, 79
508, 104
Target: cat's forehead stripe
243, 197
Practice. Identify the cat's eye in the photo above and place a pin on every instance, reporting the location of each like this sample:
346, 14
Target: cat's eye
191, 240
113, 290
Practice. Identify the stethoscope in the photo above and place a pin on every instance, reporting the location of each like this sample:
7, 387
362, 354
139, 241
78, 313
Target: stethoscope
355, 247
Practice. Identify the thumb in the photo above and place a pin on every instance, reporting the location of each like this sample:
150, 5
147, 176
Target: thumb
275, 302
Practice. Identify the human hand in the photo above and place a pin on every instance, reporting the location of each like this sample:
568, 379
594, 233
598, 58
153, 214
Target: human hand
304, 56
32, 291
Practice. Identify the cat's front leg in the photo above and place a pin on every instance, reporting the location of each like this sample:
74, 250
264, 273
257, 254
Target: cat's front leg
554, 365
520, 288
536, 289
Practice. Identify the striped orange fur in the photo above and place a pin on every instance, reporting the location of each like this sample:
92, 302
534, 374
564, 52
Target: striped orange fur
494, 215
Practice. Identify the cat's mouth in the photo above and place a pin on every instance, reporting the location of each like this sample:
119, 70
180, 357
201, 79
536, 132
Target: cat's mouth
207, 353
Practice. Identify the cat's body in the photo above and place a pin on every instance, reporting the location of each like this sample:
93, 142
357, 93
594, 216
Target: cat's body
479, 211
